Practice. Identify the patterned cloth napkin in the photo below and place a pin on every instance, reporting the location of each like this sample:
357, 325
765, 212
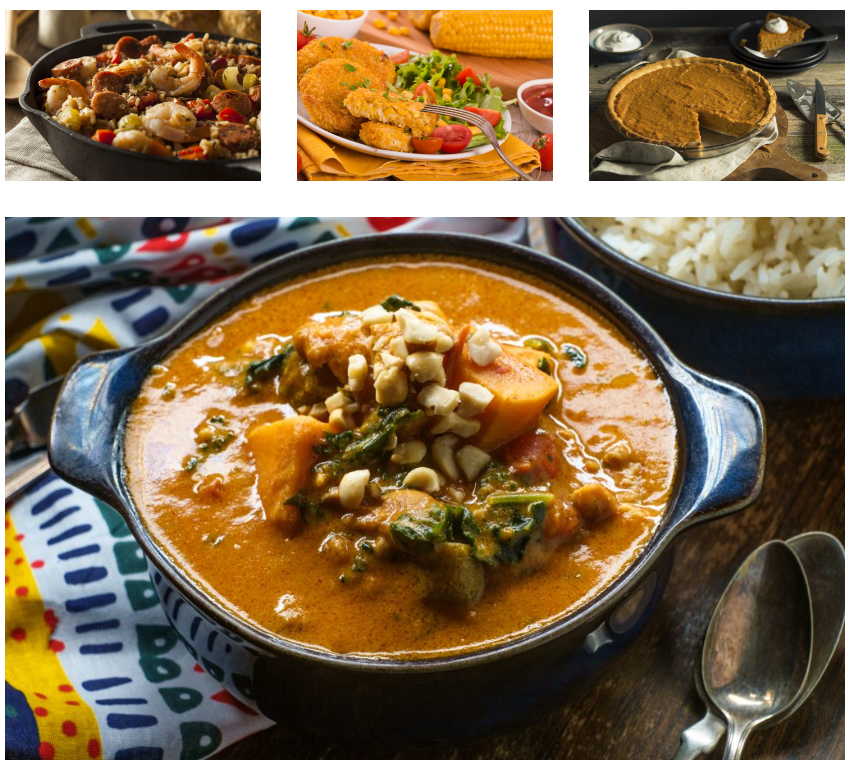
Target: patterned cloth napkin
328, 162
93, 668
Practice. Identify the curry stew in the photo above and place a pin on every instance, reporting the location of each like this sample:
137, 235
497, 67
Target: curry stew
403, 459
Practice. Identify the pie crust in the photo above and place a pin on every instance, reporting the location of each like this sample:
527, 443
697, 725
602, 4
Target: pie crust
662, 103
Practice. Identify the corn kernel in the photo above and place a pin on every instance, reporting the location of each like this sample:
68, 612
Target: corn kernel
392, 15
441, 82
403, 30
393, 30
441, 123
380, 23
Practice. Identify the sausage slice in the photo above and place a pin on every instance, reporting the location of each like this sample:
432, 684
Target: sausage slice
237, 137
67, 69
239, 101
108, 81
247, 60
110, 105
129, 47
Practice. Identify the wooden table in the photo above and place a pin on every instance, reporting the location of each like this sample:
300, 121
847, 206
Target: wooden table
27, 45
713, 43
643, 701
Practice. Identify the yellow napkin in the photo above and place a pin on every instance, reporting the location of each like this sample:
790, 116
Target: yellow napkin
332, 163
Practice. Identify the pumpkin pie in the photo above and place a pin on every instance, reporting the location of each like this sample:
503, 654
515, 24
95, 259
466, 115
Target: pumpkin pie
767, 40
666, 102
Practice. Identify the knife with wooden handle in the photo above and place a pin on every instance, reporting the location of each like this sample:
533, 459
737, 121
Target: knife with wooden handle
821, 121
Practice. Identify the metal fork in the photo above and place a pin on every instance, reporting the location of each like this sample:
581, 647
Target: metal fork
484, 125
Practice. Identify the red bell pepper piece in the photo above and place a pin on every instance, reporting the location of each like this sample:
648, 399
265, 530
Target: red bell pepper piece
229, 114
105, 136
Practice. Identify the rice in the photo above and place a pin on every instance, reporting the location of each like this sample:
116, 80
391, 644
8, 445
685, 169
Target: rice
772, 256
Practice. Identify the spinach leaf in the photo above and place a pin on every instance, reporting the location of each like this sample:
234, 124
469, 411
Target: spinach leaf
308, 505
266, 368
395, 303
575, 354
361, 447
544, 365
502, 536
420, 533
539, 344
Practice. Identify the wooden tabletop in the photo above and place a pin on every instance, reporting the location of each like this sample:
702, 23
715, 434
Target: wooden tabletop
713, 43
638, 707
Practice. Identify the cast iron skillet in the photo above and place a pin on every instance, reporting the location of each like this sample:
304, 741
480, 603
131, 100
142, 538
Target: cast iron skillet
720, 439
87, 159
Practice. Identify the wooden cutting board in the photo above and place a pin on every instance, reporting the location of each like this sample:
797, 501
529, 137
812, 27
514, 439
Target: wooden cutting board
774, 164
508, 73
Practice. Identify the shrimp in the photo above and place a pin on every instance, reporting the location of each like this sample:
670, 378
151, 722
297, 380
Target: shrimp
137, 141
130, 67
162, 79
60, 90
174, 122
169, 54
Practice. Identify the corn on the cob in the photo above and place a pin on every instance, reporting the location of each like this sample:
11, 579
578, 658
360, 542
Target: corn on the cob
499, 34
421, 19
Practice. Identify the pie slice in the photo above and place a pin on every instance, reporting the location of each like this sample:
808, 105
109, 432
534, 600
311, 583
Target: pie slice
666, 102
767, 40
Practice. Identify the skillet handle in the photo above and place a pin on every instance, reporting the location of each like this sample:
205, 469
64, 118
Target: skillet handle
725, 448
85, 432
109, 27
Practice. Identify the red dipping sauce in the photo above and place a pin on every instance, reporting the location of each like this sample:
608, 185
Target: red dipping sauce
540, 98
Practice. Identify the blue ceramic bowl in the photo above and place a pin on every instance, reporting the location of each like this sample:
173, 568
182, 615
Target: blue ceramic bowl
720, 439
644, 35
777, 347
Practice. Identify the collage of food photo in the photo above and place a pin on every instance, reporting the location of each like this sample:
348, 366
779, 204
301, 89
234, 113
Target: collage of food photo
286, 479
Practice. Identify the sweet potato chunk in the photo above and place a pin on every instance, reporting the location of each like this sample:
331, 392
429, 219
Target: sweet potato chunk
521, 392
284, 454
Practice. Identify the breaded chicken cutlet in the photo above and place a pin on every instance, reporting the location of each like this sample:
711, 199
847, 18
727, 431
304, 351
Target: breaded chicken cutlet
393, 109
386, 137
327, 84
354, 51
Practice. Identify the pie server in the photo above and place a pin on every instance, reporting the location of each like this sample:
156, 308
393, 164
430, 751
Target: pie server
804, 100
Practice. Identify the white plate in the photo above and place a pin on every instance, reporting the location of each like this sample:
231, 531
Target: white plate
303, 118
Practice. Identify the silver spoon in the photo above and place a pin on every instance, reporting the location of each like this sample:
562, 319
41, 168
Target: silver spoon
823, 561
653, 58
758, 646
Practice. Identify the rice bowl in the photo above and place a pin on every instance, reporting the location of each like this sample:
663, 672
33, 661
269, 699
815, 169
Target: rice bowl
769, 257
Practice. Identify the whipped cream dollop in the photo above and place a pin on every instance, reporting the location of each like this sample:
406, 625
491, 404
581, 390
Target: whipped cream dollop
776, 25
617, 41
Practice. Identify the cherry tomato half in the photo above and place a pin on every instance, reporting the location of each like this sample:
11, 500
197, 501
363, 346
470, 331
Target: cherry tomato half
468, 72
544, 146
427, 145
427, 92
492, 117
456, 137
401, 57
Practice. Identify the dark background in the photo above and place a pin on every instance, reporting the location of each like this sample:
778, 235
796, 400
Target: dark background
708, 18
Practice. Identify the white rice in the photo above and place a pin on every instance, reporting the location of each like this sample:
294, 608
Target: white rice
773, 256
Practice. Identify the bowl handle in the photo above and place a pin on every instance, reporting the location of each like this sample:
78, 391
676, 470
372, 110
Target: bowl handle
725, 448
84, 442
